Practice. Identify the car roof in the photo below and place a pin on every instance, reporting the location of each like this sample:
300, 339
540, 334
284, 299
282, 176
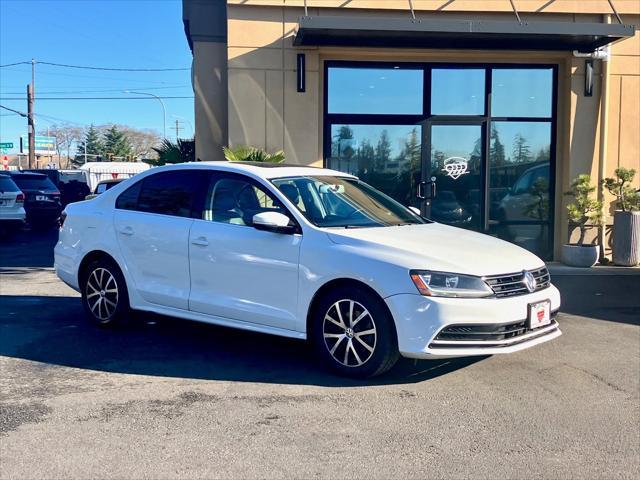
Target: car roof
263, 170
28, 174
112, 180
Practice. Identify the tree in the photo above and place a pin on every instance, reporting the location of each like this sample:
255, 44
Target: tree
585, 209
94, 147
521, 149
116, 143
66, 136
496, 149
252, 154
142, 141
627, 198
383, 151
169, 152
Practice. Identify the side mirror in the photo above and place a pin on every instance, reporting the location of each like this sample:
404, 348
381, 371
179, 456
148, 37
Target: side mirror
275, 222
415, 210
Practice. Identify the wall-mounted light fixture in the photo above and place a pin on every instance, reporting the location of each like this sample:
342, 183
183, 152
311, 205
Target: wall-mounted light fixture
300, 73
588, 77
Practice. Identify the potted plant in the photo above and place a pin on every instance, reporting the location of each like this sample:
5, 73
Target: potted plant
626, 219
583, 212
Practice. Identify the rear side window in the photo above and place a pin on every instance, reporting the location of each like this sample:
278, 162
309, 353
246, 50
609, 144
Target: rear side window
7, 185
166, 193
29, 182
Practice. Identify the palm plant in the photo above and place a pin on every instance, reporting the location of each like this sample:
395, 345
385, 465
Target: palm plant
252, 154
169, 152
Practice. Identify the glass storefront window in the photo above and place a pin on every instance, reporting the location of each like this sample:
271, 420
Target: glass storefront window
519, 183
384, 156
521, 92
457, 91
375, 90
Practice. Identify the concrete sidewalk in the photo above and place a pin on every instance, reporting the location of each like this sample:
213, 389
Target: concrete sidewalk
557, 268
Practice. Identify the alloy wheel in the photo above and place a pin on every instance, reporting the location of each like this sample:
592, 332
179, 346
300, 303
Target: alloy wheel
349, 333
102, 294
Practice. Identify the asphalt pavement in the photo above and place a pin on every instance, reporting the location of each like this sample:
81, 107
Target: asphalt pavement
166, 398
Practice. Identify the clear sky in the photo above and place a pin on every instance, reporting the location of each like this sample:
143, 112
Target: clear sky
112, 33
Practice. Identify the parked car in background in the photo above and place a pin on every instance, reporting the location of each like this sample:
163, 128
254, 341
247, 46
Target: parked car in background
73, 184
12, 213
42, 199
306, 253
103, 186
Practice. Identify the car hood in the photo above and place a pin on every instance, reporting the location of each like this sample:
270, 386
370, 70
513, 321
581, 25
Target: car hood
439, 247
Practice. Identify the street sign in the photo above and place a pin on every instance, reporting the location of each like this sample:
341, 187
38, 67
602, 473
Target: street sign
4, 145
44, 145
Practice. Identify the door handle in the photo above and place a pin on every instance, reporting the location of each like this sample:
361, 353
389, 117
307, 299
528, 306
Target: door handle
200, 241
432, 190
126, 231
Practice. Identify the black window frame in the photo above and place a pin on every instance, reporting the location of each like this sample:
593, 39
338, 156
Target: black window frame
427, 119
196, 202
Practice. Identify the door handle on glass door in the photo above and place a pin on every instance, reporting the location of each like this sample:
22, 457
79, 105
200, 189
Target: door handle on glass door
200, 241
126, 231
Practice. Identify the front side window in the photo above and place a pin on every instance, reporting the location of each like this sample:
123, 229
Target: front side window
235, 200
166, 193
344, 202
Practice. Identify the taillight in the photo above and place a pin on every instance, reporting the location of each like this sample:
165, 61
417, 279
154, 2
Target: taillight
20, 198
63, 217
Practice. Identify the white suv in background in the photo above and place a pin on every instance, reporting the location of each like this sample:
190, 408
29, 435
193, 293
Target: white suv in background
304, 253
12, 214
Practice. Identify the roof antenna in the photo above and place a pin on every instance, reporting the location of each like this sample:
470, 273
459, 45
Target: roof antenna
413, 14
515, 10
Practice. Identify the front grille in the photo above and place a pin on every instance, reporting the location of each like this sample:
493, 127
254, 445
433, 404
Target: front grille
513, 284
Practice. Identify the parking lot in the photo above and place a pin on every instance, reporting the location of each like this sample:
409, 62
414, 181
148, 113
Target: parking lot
166, 398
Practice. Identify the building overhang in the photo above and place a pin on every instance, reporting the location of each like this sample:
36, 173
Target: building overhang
457, 34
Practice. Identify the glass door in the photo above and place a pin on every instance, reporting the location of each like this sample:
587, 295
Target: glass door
454, 162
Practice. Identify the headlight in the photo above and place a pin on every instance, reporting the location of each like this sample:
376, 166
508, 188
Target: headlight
441, 284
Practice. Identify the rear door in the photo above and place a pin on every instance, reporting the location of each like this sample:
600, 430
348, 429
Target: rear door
152, 222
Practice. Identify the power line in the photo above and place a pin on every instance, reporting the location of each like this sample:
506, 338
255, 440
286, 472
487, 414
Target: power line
97, 98
115, 69
12, 64
47, 92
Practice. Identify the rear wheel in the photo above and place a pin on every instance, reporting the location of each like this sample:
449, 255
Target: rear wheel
354, 334
104, 293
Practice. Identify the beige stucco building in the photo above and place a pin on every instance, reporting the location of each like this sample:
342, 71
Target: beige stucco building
502, 107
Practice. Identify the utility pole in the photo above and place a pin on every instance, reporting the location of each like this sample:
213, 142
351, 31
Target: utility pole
32, 127
177, 128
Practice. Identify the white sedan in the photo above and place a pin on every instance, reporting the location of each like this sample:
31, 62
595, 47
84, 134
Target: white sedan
305, 253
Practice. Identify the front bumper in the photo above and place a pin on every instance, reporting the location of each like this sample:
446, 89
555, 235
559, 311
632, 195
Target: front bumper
420, 319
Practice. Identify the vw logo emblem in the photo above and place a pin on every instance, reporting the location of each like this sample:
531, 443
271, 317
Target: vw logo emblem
529, 281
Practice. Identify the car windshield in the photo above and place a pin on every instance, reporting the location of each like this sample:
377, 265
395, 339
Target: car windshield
33, 182
344, 202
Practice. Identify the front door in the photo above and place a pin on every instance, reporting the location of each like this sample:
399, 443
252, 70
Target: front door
238, 272
455, 164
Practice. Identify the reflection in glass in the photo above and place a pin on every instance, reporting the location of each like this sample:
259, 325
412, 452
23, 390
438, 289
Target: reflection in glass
521, 92
456, 162
519, 173
457, 91
386, 157
375, 90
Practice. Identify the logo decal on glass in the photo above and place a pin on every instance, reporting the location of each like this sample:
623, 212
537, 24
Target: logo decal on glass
455, 167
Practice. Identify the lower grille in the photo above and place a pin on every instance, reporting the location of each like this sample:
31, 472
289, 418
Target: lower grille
492, 335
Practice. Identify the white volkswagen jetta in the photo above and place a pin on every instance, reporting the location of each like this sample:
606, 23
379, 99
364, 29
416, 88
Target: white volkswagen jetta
305, 253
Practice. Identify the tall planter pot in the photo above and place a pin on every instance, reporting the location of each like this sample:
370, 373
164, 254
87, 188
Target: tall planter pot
626, 238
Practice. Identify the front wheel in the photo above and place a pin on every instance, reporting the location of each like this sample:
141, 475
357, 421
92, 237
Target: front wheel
354, 334
104, 293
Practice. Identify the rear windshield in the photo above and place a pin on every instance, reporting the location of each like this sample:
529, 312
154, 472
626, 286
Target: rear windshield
32, 182
7, 185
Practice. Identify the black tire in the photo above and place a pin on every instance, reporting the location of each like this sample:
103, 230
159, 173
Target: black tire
99, 294
342, 349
